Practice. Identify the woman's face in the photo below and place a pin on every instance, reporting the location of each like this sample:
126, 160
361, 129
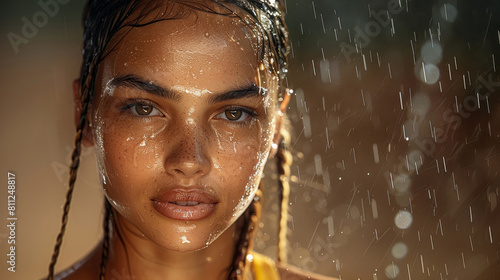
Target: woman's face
183, 122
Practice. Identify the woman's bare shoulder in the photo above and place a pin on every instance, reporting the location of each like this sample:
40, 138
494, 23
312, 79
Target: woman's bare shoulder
289, 272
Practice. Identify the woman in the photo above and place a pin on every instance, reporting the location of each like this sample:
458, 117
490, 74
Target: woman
184, 103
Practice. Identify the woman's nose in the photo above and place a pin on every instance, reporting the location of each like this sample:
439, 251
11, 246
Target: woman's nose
188, 156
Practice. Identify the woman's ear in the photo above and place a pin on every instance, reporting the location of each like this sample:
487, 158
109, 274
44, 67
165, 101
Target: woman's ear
279, 123
87, 137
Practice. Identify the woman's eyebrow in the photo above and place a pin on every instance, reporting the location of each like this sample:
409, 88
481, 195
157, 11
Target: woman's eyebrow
136, 82
133, 81
250, 91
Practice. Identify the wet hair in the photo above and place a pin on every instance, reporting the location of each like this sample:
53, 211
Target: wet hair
106, 23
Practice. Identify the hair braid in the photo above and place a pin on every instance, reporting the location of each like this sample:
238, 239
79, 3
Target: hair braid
245, 241
284, 160
105, 241
111, 228
73, 170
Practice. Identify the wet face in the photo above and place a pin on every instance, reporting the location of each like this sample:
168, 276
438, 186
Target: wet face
183, 122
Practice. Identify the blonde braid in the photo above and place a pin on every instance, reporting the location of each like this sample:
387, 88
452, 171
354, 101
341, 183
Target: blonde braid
284, 160
245, 242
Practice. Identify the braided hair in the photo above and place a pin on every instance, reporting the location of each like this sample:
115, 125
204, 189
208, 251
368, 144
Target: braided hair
283, 163
106, 23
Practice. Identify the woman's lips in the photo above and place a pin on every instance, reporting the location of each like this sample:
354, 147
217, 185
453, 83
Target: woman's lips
185, 204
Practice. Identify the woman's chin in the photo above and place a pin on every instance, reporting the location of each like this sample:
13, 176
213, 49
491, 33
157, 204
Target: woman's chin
176, 235
184, 244
186, 240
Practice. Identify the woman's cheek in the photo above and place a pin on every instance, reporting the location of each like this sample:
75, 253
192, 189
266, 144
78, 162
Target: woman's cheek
241, 158
237, 148
127, 158
118, 182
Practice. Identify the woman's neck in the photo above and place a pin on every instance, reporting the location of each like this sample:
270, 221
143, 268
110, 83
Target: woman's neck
135, 257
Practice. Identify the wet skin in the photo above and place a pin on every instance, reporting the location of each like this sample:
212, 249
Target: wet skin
182, 115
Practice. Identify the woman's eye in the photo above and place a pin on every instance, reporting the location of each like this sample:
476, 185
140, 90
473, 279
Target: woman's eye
235, 115
144, 110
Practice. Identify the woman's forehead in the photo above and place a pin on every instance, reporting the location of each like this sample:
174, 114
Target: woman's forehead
194, 51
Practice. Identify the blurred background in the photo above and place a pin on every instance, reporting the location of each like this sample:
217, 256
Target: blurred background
396, 139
